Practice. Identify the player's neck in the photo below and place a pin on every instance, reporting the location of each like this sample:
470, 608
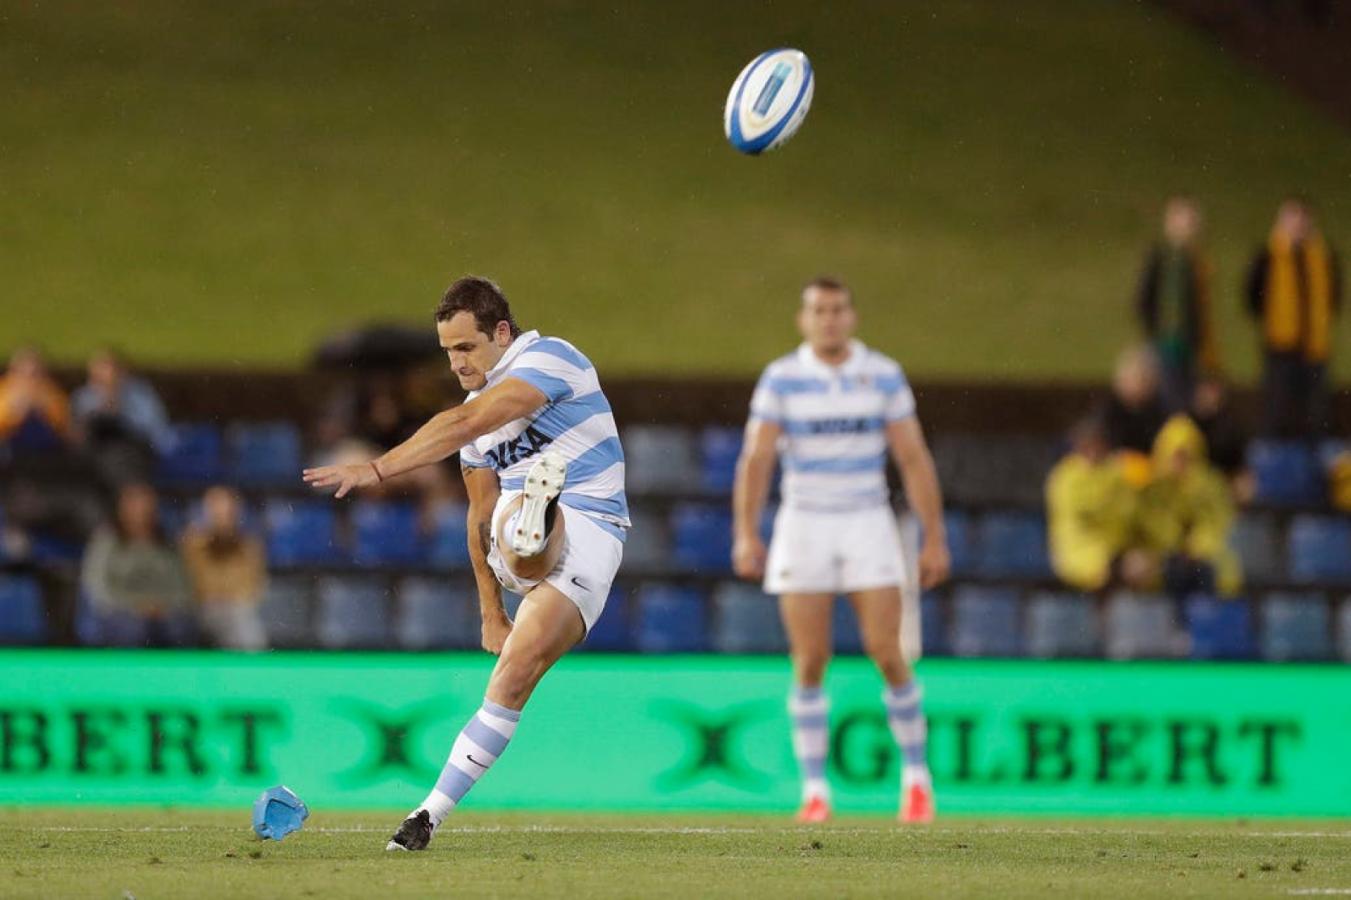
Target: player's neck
832, 356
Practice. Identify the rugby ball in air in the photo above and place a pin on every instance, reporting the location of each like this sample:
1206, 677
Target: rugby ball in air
769, 100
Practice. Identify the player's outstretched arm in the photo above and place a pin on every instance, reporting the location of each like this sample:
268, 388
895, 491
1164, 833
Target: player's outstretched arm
444, 434
483, 488
908, 448
754, 470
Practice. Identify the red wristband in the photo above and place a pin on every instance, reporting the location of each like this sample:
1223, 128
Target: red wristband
376, 470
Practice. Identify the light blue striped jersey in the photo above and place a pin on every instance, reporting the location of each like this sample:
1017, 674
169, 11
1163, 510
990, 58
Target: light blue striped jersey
834, 448
576, 423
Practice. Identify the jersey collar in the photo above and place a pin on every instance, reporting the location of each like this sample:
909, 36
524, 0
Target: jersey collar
523, 340
852, 364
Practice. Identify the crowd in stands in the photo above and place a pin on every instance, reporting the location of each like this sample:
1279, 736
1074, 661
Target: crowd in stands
122, 526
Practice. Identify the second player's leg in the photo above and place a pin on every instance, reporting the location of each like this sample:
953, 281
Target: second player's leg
807, 623
879, 623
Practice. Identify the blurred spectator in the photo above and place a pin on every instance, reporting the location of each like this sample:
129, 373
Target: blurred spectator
1090, 508
1173, 302
134, 578
1293, 292
228, 572
1226, 438
1135, 411
34, 414
121, 420
1186, 513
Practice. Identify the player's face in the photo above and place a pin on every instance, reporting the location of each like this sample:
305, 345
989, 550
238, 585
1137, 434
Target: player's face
827, 319
471, 352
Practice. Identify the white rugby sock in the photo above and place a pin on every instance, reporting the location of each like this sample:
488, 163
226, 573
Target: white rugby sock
910, 731
809, 709
479, 745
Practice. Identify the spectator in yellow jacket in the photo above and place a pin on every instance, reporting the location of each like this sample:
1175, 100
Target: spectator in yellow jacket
1090, 506
1186, 513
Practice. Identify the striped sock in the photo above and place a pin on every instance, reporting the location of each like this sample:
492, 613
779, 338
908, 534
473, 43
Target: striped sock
809, 709
473, 753
909, 729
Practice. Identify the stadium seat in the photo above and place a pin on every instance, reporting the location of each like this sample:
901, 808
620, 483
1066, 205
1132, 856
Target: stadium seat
1013, 545
387, 534
672, 619
846, 639
720, 448
287, 611
746, 620
1295, 627
1220, 629
264, 453
1256, 541
436, 614
1141, 626
195, 459
611, 632
961, 542
1319, 549
985, 621
1009, 470
702, 537
23, 619
933, 624
1344, 630
661, 459
302, 533
1062, 625
353, 613
447, 546
647, 548
1287, 473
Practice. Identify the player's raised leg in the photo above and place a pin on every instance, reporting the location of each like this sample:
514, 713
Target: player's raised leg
547, 626
531, 535
879, 618
807, 622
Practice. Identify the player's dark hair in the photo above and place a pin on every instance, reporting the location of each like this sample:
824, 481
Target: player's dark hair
828, 283
481, 298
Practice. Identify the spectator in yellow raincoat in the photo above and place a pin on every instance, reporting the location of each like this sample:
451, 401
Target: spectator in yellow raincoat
1090, 507
1186, 513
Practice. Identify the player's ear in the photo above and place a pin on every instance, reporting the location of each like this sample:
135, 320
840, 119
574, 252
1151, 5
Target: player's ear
502, 334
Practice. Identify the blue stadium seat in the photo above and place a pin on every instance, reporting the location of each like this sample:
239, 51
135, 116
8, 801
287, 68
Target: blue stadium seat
672, 619
612, 632
1344, 630
1287, 473
1013, 545
1062, 625
1220, 629
436, 614
721, 446
1256, 540
961, 542
1141, 626
23, 620
845, 637
702, 534
448, 543
353, 613
985, 621
1320, 550
46, 549
287, 611
746, 620
195, 458
265, 453
302, 533
661, 459
933, 624
387, 534
647, 547
1295, 627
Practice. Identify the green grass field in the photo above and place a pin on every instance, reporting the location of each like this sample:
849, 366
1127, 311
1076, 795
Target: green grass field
213, 183
148, 854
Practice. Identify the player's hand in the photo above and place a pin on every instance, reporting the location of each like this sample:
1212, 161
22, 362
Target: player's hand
347, 478
496, 630
748, 557
934, 564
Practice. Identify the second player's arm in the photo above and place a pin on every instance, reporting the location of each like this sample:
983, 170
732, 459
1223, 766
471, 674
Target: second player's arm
754, 471
483, 488
444, 434
911, 453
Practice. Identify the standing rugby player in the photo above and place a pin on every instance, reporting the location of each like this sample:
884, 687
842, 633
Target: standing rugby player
547, 512
831, 411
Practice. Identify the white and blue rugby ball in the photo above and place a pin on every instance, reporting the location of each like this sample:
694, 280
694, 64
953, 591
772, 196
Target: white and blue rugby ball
769, 100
